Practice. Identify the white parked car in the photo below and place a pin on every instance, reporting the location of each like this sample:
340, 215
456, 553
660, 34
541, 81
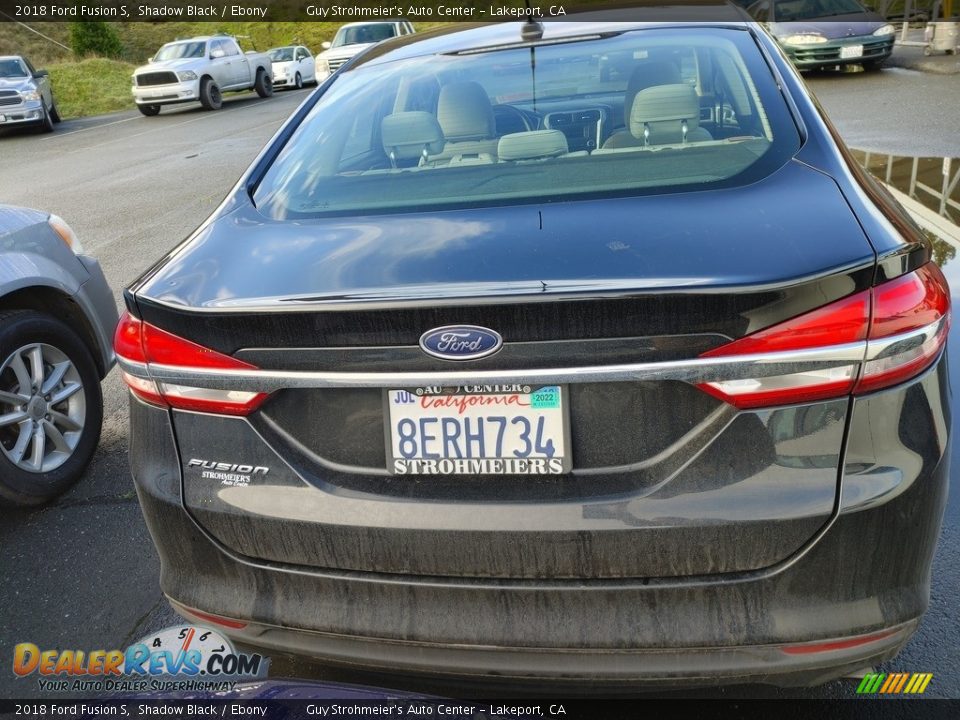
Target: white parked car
293, 66
351, 39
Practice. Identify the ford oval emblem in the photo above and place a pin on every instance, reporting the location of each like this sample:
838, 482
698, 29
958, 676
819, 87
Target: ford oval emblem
460, 342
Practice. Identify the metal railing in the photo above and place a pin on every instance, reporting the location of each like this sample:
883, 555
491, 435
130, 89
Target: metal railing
934, 182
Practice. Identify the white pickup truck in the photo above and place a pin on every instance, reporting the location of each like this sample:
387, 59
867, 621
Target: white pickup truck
200, 69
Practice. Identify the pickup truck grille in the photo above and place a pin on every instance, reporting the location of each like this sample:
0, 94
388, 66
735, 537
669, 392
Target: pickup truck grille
335, 63
9, 97
157, 78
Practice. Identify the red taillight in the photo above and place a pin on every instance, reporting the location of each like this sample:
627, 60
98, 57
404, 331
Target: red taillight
904, 305
885, 316
142, 343
215, 619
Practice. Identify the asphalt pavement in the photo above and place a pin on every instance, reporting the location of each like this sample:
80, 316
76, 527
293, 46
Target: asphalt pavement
82, 572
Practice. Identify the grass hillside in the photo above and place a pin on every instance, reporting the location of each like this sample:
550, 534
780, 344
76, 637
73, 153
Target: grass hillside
93, 86
141, 40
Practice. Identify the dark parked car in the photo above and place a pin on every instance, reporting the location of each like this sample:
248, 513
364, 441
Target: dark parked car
827, 33
586, 353
57, 319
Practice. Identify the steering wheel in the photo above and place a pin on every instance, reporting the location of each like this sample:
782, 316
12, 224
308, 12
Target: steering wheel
509, 115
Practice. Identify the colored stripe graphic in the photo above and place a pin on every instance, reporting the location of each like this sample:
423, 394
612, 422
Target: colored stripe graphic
871, 683
894, 683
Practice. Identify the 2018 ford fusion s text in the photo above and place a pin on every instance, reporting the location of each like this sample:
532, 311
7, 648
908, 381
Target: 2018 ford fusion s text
580, 353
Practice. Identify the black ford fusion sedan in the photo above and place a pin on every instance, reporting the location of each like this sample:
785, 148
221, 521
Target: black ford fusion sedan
581, 351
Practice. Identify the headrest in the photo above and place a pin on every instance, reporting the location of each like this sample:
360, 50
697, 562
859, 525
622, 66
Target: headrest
645, 75
465, 112
406, 134
532, 145
663, 109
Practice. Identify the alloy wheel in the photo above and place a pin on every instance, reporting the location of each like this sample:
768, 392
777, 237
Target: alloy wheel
42, 408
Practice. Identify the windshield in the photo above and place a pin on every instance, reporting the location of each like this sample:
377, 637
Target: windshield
639, 112
13, 68
803, 9
281, 54
363, 34
176, 51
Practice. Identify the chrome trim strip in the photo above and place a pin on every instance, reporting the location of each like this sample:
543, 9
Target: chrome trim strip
896, 344
694, 371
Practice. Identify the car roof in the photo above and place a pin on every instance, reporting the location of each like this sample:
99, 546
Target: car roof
201, 38
385, 21
12, 57
460, 37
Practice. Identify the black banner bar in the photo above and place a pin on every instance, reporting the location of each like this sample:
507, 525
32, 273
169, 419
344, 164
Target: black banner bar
577, 709
228, 11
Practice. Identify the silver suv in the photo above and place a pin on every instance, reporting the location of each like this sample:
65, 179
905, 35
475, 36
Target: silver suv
26, 97
57, 318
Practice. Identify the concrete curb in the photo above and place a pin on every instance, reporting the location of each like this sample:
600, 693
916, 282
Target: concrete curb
942, 65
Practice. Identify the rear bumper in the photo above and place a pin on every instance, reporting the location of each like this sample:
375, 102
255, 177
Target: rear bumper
798, 665
858, 589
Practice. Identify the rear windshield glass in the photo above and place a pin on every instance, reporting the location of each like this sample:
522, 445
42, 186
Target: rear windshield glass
635, 112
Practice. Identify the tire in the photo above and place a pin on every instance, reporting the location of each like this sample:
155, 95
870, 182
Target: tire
873, 65
298, 82
55, 114
46, 122
69, 428
149, 110
263, 85
210, 96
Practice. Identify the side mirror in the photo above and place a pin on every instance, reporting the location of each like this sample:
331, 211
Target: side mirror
214, 54
149, 60
325, 44
41, 74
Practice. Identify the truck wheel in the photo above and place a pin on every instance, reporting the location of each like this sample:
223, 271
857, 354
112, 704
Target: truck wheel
298, 82
210, 96
149, 110
263, 85
46, 122
51, 407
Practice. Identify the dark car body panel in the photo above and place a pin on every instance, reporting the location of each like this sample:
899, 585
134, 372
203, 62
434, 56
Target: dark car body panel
852, 594
366, 282
775, 488
405, 254
690, 542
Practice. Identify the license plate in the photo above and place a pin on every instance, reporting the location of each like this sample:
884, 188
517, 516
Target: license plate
478, 430
851, 51
3, 118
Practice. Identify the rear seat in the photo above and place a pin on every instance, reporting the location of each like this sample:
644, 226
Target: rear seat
663, 115
466, 117
410, 136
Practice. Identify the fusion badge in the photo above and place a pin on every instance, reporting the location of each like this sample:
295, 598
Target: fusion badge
460, 342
